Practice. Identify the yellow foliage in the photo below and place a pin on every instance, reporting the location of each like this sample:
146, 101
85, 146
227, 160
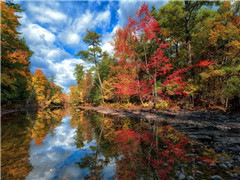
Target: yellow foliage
108, 89
162, 104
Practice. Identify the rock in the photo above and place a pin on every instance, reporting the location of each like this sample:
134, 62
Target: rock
216, 177
182, 170
234, 176
223, 166
230, 166
182, 165
177, 173
222, 159
190, 178
235, 158
181, 177
204, 138
199, 173
199, 163
213, 166
217, 149
205, 164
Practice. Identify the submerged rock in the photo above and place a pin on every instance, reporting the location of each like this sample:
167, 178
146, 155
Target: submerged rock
217, 149
181, 177
190, 178
213, 166
199, 173
234, 176
223, 166
216, 177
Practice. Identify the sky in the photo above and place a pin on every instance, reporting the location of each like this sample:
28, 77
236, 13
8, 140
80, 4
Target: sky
55, 30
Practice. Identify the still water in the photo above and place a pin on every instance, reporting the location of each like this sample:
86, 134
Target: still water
73, 144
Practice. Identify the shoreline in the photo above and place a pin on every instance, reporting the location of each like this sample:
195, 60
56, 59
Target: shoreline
26, 108
216, 130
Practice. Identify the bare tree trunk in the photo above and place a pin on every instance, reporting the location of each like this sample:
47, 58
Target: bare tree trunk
155, 88
188, 36
177, 51
140, 96
188, 42
100, 81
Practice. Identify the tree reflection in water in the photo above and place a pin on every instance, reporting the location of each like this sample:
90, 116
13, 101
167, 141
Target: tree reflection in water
18, 130
97, 146
15, 146
46, 121
139, 149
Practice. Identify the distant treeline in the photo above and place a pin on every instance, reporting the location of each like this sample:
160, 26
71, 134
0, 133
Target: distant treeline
18, 86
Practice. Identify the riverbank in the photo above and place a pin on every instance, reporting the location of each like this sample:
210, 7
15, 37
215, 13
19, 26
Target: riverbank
26, 108
8, 111
216, 130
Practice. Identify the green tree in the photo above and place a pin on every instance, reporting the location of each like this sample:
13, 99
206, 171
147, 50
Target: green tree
94, 53
219, 40
80, 75
178, 20
105, 66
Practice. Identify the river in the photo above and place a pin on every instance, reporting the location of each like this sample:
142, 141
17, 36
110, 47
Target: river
76, 144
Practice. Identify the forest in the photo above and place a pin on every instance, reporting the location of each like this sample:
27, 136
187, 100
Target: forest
186, 54
19, 87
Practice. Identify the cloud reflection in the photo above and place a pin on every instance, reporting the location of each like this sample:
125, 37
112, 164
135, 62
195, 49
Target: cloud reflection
55, 158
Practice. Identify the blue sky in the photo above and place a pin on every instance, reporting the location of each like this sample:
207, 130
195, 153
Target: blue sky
54, 30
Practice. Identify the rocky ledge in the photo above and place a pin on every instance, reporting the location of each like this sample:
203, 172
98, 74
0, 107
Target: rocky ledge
221, 131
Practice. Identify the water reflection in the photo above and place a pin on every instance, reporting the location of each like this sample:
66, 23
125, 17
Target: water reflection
15, 146
45, 123
57, 144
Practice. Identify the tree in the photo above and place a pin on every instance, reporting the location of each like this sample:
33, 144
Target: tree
94, 53
178, 19
75, 96
46, 91
219, 40
195, 32
143, 52
40, 83
80, 74
15, 55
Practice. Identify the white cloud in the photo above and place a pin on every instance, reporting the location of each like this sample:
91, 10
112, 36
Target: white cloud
43, 14
104, 17
72, 34
36, 34
128, 8
64, 71
53, 152
85, 20
107, 38
56, 54
69, 38
56, 157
